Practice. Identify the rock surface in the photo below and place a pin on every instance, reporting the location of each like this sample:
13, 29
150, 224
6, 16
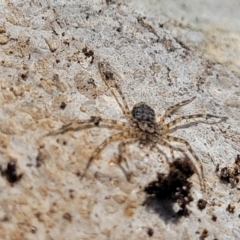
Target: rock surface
50, 51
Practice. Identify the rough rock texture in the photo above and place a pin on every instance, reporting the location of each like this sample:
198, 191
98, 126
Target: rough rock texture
49, 51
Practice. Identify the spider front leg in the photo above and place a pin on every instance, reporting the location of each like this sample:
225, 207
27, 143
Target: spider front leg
116, 137
90, 123
174, 108
110, 79
189, 148
167, 126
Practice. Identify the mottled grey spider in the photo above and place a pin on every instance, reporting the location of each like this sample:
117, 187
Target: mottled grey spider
141, 125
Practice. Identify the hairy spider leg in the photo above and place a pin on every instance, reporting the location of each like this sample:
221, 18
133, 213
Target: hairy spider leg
201, 178
91, 123
165, 144
108, 78
167, 126
122, 147
174, 108
189, 148
122, 154
161, 151
116, 137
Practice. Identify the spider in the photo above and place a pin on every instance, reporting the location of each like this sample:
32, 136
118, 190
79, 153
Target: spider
141, 125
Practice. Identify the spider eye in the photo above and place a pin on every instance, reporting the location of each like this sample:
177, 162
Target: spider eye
142, 112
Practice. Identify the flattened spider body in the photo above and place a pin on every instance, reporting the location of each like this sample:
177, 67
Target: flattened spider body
144, 117
141, 126
141, 112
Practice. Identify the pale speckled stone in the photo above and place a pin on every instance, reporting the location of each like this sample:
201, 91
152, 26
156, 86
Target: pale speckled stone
3, 39
2, 29
53, 46
51, 57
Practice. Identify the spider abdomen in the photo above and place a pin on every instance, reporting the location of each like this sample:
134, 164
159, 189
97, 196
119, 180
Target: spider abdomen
143, 113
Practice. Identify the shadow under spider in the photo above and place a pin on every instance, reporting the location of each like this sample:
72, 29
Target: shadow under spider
169, 189
141, 126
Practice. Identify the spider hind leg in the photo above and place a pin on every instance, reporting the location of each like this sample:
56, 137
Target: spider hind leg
189, 148
121, 136
122, 153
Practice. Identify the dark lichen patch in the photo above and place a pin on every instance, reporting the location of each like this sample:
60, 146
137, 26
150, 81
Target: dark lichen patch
214, 218
67, 216
109, 2
88, 54
63, 105
231, 208
170, 189
150, 232
230, 174
204, 234
71, 193
201, 204
40, 157
10, 173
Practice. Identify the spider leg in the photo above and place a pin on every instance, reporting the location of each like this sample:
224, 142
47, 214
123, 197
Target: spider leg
161, 142
122, 151
90, 123
189, 148
109, 79
167, 126
174, 148
174, 108
122, 154
113, 138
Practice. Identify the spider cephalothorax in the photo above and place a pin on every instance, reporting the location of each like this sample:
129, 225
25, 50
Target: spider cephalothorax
141, 125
